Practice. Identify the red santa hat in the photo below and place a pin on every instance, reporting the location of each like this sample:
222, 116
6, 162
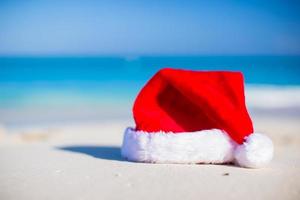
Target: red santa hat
195, 117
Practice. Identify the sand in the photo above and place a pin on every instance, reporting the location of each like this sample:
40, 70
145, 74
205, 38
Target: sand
82, 161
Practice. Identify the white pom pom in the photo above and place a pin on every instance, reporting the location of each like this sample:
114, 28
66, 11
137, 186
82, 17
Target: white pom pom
255, 152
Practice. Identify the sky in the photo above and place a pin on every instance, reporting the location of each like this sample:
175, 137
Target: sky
149, 27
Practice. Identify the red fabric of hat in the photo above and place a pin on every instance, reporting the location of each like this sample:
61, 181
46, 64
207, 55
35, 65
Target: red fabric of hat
186, 101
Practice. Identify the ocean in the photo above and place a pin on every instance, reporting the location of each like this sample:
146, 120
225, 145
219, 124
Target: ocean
76, 88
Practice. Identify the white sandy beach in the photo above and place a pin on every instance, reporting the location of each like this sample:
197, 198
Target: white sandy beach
73, 72
82, 161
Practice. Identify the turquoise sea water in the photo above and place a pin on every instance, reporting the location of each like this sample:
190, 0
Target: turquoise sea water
87, 87
280, 70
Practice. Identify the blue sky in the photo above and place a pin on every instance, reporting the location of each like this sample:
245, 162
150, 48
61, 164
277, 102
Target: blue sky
149, 27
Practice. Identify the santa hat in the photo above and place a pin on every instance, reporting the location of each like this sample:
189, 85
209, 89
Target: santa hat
187, 116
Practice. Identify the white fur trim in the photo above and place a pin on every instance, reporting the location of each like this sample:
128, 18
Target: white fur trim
256, 152
207, 146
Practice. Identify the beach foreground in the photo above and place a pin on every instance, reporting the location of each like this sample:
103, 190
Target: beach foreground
83, 161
